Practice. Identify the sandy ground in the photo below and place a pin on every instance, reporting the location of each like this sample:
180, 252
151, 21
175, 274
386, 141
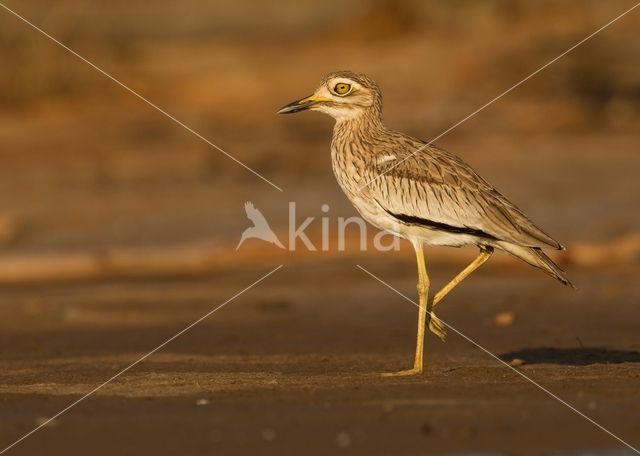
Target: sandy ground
292, 366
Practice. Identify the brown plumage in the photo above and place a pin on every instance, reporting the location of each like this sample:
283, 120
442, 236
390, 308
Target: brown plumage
452, 197
416, 190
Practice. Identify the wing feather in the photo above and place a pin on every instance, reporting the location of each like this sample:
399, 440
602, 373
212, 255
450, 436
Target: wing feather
450, 192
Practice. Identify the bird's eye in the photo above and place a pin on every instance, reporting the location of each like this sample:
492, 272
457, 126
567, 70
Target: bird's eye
342, 88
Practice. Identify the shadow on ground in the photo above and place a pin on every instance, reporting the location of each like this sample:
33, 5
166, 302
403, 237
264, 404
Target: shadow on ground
582, 356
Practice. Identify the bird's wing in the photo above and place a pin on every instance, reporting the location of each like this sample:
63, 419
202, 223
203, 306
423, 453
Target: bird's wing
437, 189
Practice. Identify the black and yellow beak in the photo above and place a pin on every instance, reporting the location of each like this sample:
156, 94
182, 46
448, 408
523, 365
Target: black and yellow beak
301, 105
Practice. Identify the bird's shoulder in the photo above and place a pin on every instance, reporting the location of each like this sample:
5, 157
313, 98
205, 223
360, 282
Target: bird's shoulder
402, 156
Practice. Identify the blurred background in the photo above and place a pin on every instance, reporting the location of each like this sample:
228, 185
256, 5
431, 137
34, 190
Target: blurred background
98, 188
84, 163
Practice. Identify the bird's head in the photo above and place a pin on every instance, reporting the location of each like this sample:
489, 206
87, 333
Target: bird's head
343, 95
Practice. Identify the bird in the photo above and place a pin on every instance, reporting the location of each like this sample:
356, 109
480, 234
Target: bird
260, 228
419, 192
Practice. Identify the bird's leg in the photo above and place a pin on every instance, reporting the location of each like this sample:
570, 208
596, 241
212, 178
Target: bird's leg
485, 254
435, 325
423, 312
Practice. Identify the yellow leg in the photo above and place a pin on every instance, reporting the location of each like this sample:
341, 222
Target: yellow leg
423, 312
435, 325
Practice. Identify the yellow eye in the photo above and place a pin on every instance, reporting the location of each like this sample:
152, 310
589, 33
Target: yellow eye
342, 88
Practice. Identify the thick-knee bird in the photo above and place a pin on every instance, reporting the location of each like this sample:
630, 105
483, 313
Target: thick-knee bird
419, 192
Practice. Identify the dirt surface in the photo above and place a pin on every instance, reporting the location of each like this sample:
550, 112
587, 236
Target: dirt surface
293, 365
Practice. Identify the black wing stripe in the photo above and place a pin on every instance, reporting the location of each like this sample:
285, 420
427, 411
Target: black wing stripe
413, 220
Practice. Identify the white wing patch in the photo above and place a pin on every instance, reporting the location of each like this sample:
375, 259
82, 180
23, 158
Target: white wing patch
385, 158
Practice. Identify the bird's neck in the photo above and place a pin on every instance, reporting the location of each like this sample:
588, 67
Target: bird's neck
363, 125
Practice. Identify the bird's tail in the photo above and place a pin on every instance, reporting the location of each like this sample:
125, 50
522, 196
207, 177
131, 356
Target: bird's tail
536, 257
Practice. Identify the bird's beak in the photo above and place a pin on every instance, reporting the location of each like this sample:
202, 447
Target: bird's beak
301, 105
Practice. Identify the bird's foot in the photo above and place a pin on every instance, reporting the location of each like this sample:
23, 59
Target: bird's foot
404, 373
437, 327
